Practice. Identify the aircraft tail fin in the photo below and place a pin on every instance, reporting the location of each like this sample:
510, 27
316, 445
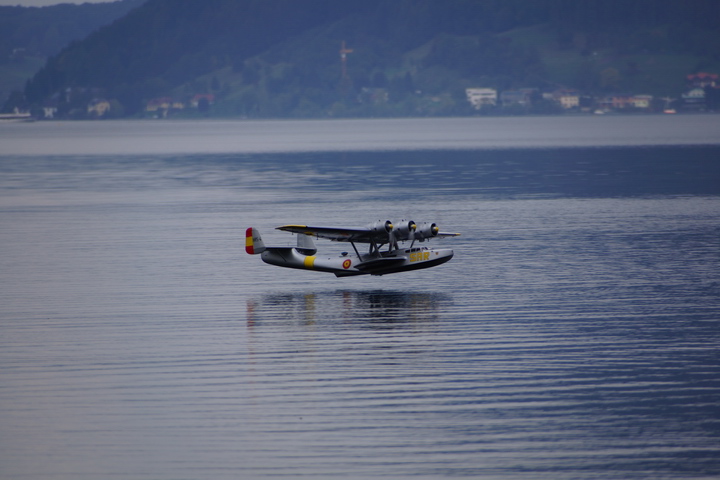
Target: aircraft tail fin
253, 242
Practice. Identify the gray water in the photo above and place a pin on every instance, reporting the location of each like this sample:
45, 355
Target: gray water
576, 333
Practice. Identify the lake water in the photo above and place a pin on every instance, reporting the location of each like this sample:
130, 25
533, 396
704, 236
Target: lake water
575, 335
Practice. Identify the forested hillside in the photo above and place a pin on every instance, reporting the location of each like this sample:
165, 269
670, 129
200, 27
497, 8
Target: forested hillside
28, 36
45, 31
275, 58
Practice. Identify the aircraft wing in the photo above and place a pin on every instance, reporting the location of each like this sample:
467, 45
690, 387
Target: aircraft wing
338, 234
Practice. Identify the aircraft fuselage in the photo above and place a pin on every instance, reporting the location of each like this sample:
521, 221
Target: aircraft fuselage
393, 261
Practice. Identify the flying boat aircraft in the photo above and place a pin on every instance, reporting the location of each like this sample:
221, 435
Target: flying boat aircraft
377, 261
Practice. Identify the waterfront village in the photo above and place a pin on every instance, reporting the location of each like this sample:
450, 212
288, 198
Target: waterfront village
701, 94
700, 87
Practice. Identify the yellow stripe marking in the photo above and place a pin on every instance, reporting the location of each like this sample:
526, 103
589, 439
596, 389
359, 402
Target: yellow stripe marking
310, 262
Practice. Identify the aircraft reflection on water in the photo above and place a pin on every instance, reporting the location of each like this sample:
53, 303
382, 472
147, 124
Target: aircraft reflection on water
379, 309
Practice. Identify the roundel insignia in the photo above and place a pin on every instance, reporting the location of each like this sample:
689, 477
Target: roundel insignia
347, 263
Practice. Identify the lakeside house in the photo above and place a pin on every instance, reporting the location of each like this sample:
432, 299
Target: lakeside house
567, 99
521, 97
694, 98
161, 106
642, 101
703, 92
200, 98
481, 97
98, 107
702, 80
163, 103
624, 101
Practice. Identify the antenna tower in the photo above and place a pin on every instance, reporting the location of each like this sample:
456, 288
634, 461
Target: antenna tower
343, 59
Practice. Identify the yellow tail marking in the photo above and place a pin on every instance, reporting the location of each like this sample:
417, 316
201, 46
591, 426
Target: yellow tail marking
310, 262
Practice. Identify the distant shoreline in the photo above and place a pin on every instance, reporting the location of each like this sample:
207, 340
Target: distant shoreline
233, 136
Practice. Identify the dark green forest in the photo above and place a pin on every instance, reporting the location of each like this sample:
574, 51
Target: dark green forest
281, 58
28, 36
45, 31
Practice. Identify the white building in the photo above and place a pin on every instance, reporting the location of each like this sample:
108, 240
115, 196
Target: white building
481, 97
567, 99
694, 97
641, 101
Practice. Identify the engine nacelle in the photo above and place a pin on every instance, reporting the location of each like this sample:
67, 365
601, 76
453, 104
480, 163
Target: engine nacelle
404, 230
428, 230
381, 226
305, 245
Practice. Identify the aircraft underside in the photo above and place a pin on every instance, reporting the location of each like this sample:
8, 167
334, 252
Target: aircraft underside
394, 261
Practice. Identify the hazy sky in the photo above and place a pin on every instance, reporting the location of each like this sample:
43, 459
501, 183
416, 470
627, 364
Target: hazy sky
44, 3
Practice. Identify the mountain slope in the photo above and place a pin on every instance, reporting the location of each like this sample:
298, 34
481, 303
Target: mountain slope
45, 31
281, 57
167, 42
28, 36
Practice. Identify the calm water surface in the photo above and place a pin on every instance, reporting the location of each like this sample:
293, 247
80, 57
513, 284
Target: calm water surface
576, 333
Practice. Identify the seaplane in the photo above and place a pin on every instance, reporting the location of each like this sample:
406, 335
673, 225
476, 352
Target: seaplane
397, 257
